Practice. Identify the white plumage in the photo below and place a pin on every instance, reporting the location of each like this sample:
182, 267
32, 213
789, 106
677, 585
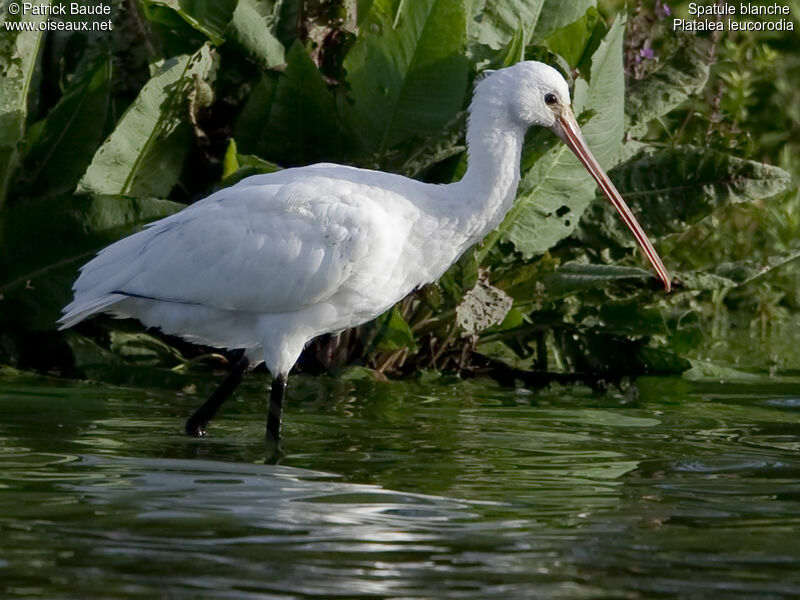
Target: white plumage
278, 259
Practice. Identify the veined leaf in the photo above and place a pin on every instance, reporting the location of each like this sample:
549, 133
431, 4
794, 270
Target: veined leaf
577, 41
36, 277
229, 20
406, 72
493, 23
672, 188
394, 333
18, 54
70, 134
249, 29
682, 74
556, 14
557, 189
144, 154
574, 277
210, 17
738, 273
291, 120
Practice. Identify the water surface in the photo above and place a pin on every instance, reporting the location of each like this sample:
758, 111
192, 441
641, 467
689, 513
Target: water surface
402, 490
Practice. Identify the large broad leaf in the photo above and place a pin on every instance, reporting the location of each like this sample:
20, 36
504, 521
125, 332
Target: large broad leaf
144, 154
249, 30
406, 72
35, 278
229, 20
670, 189
291, 120
578, 41
210, 17
18, 53
494, 23
556, 190
683, 73
70, 134
556, 14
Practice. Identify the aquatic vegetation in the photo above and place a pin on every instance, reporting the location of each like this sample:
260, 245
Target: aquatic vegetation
102, 133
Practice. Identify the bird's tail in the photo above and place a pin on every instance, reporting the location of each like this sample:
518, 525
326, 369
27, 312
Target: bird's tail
76, 311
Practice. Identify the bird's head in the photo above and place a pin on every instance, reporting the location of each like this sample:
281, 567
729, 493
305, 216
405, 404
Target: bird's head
533, 93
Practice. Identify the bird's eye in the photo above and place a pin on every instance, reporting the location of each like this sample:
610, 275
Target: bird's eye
550, 98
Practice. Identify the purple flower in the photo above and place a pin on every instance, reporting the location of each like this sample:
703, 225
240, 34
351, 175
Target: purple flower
647, 53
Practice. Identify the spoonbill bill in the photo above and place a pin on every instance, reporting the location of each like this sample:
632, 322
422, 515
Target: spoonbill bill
276, 260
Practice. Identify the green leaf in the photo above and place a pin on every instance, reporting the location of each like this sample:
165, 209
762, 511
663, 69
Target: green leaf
236, 167
672, 188
293, 120
577, 41
681, 74
494, 23
144, 154
238, 21
556, 14
394, 333
734, 274
286, 17
36, 277
143, 349
460, 277
249, 29
556, 190
406, 72
209, 17
573, 278
18, 55
71, 133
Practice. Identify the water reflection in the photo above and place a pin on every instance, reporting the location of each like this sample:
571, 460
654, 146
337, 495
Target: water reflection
402, 490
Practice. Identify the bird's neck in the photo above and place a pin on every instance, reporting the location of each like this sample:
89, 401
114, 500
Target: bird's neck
487, 190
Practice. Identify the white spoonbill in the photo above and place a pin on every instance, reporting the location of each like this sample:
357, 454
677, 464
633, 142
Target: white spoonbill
272, 262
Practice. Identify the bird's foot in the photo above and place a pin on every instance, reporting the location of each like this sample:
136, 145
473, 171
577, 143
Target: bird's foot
274, 453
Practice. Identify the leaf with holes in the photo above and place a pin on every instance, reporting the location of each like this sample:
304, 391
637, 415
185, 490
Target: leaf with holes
483, 306
682, 73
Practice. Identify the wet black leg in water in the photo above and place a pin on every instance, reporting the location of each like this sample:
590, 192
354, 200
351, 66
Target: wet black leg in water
196, 425
276, 395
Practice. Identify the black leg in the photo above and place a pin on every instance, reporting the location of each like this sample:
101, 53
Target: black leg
196, 425
276, 396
